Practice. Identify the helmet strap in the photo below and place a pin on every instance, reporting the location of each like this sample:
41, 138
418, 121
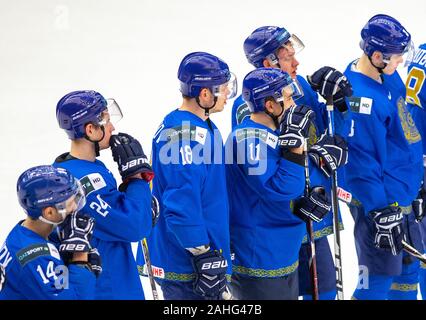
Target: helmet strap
206, 110
379, 69
276, 117
96, 143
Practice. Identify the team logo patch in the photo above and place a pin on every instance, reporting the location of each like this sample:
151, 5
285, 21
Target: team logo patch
92, 182
410, 130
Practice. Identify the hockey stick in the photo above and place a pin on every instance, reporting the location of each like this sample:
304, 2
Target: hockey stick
413, 251
149, 268
335, 209
310, 230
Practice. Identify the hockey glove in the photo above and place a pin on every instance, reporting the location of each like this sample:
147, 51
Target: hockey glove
210, 274
419, 204
328, 81
155, 210
75, 233
95, 262
129, 155
329, 153
389, 233
2, 276
294, 128
314, 206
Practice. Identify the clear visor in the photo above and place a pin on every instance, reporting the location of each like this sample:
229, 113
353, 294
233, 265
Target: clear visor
74, 203
293, 90
228, 89
410, 54
113, 113
294, 44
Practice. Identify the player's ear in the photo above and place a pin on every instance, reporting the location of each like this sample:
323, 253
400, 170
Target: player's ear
269, 106
204, 94
90, 129
267, 63
376, 57
48, 213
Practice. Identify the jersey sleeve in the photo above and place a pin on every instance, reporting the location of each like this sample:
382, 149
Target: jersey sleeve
275, 179
120, 216
367, 156
181, 199
46, 278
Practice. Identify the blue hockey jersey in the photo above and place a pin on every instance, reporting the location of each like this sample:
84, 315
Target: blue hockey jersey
265, 235
35, 271
416, 92
121, 218
241, 112
190, 185
385, 152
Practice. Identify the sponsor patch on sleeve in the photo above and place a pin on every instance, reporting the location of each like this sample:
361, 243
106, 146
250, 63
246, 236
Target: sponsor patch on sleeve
92, 182
361, 105
32, 252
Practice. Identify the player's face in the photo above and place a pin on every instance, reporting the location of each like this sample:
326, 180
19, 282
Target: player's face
109, 129
393, 63
287, 60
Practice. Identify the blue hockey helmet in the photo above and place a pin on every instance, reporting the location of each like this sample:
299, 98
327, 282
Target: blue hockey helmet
78, 108
263, 83
46, 186
264, 42
200, 70
385, 34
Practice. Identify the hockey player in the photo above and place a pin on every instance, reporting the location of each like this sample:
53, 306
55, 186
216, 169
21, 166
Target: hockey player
275, 47
33, 265
190, 244
416, 99
121, 216
263, 179
384, 171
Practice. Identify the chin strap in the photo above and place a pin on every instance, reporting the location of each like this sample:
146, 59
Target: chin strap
274, 117
206, 110
379, 69
96, 143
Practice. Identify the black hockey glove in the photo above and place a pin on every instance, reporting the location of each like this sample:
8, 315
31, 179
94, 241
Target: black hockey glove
210, 274
294, 127
314, 206
129, 155
328, 81
155, 210
2, 276
75, 233
419, 204
329, 153
95, 262
389, 233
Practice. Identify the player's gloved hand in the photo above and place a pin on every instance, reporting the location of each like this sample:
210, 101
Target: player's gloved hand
328, 81
75, 233
294, 127
389, 233
129, 155
210, 274
314, 206
2, 277
419, 204
94, 261
329, 153
155, 210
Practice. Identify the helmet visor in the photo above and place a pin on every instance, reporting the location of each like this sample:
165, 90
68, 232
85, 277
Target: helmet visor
409, 54
292, 90
74, 203
112, 114
228, 89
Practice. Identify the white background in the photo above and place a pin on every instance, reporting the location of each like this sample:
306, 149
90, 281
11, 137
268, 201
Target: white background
130, 50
